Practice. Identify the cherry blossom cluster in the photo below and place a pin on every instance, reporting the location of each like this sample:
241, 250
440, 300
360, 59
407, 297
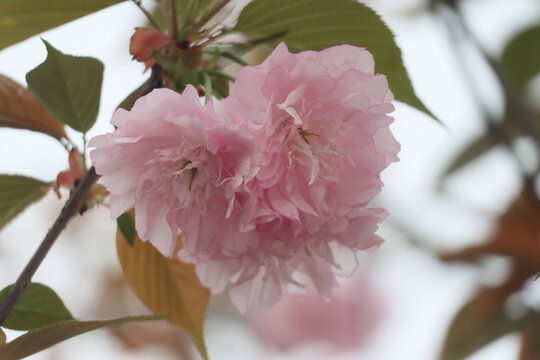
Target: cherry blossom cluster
270, 196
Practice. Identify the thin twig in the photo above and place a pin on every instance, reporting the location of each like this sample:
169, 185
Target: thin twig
220, 74
495, 129
155, 81
72, 205
147, 14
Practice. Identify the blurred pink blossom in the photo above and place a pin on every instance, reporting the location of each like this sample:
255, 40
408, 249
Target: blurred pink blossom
348, 321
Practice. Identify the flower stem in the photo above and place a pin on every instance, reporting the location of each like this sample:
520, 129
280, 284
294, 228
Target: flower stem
72, 205
212, 13
207, 87
84, 151
173, 20
220, 74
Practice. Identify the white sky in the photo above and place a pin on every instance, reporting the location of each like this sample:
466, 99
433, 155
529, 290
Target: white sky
422, 294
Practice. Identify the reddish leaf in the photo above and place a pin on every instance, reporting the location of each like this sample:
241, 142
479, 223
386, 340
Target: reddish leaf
144, 41
516, 235
70, 178
530, 344
20, 109
139, 336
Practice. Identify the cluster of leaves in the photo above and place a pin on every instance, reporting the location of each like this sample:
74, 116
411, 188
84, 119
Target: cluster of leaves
65, 90
485, 317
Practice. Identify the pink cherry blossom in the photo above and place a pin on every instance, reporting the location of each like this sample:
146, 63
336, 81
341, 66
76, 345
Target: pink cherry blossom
178, 164
272, 198
348, 321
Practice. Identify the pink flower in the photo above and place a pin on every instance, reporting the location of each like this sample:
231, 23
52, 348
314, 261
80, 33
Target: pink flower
347, 321
276, 196
178, 164
320, 124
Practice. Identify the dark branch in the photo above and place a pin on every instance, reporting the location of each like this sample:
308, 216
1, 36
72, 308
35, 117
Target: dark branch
71, 207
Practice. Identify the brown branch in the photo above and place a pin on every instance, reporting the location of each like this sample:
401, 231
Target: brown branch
71, 207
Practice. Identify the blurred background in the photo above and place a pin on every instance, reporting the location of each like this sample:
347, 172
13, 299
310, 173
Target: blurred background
456, 272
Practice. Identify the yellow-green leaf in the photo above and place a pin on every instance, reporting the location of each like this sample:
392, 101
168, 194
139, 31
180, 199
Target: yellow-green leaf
37, 306
16, 193
21, 19
37, 340
484, 319
20, 109
319, 24
166, 286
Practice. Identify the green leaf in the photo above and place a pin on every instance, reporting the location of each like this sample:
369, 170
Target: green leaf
16, 193
127, 226
521, 57
319, 24
234, 58
483, 320
38, 306
37, 340
20, 109
221, 74
166, 286
69, 86
496, 327
21, 19
472, 151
